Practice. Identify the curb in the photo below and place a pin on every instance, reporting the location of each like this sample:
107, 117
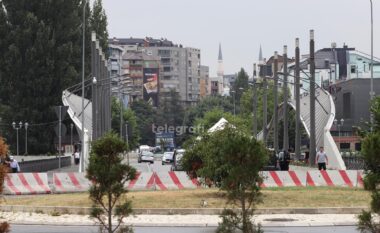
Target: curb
182, 211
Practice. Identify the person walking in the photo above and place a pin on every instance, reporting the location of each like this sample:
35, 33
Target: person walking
322, 159
14, 165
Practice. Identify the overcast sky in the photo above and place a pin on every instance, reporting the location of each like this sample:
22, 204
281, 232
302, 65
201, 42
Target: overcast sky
241, 26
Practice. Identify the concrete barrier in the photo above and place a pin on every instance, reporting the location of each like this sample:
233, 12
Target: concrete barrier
143, 181
333, 178
26, 183
70, 182
174, 180
283, 178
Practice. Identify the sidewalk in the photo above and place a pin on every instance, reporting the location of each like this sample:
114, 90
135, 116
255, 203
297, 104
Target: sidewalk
183, 220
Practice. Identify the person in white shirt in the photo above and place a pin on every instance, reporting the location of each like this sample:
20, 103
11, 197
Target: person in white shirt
322, 159
14, 165
76, 157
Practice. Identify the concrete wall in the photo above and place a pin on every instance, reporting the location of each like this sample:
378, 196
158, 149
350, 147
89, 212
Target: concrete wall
44, 165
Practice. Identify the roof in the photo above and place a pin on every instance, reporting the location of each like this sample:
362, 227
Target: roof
218, 126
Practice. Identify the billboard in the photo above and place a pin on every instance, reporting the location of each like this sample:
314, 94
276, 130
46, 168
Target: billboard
151, 85
165, 139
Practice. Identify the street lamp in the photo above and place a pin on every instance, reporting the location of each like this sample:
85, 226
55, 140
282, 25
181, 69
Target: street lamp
339, 124
26, 137
17, 128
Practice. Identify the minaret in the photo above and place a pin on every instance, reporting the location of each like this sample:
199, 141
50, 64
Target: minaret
220, 71
261, 56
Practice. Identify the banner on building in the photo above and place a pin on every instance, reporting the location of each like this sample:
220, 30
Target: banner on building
151, 82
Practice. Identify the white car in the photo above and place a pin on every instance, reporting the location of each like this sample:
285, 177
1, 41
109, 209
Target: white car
177, 157
167, 158
146, 156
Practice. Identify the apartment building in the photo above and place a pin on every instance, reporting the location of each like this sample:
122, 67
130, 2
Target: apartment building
180, 67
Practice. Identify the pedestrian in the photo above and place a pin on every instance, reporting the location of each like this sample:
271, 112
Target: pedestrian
322, 159
284, 158
14, 165
76, 157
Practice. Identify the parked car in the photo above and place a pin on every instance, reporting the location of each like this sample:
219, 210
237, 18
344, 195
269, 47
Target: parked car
146, 156
177, 157
167, 158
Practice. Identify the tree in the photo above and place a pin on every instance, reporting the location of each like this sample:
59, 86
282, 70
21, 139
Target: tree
4, 226
98, 21
171, 112
240, 85
370, 152
231, 160
41, 49
109, 176
145, 116
129, 118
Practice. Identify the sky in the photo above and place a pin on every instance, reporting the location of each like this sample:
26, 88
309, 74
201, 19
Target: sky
241, 26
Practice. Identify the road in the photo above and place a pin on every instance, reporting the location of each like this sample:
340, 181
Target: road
92, 229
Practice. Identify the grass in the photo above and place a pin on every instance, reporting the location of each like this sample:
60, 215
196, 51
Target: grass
273, 198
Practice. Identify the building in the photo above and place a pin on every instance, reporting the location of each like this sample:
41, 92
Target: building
136, 65
180, 67
204, 89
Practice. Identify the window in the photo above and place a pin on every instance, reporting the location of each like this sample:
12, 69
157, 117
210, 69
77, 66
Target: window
353, 69
345, 146
358, 146
167, 68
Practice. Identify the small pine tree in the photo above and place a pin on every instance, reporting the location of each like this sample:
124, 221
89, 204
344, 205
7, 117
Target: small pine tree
232, 160
108, 175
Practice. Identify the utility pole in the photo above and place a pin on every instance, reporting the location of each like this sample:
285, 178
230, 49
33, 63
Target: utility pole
285, 106
60, 137
127, 140
275, 105
372, 93
254, 102
82, 167
297, 97
312, 100
265, 105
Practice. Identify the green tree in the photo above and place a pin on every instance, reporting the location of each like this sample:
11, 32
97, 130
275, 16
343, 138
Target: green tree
232, 161
145, 116
109, 176
171, 112
98, 21
240, 85
129, 118
212, 116
41, 50
370, 152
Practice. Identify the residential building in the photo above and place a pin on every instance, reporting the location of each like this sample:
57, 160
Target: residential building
180, 68
204, 82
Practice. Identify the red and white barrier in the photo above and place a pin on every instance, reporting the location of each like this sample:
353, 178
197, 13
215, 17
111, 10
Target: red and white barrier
345, 178
174, 180
70, 182
143, 181
283, 178
26, 183
360, 178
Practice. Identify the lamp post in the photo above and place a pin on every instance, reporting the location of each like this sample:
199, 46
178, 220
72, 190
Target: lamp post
26, 137
127, 140
82, 167
71, 136
17, 128
339, 124
371, 93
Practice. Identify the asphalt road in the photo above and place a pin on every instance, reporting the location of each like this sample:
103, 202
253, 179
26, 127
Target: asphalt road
93, 229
